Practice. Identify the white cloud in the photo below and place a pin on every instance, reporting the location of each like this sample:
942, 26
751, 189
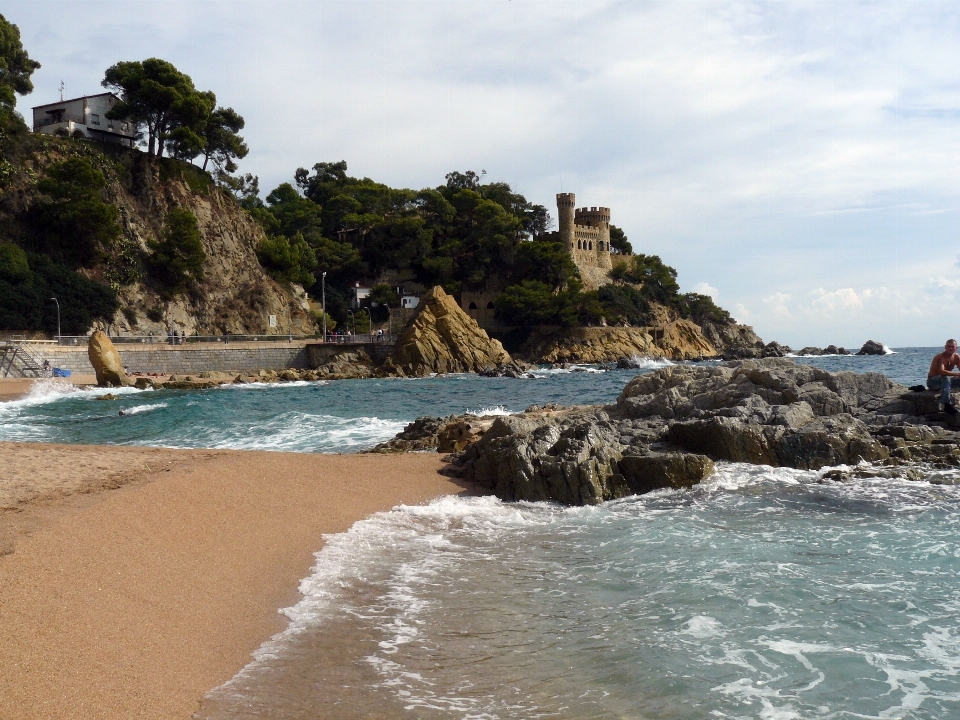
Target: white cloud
705, 289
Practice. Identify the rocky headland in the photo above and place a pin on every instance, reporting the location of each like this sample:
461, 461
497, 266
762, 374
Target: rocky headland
668, 427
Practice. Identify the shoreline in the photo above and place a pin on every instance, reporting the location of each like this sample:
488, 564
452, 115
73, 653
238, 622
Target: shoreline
134, 580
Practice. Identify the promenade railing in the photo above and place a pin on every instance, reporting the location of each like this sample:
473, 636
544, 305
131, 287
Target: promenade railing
373, 338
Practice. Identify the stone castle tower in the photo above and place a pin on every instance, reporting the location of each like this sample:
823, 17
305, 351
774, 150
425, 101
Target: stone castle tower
584, 232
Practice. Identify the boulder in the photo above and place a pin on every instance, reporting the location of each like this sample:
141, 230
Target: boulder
458, 434
776, 350
106, 361
872, 347
834, 350
442, 338
512, 369
810, 351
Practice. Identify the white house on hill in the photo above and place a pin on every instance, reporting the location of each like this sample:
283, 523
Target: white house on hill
84, 117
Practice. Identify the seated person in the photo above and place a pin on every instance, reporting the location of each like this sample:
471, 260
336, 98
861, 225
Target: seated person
942, 372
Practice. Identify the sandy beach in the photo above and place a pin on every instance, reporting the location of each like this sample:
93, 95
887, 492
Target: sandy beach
133, 580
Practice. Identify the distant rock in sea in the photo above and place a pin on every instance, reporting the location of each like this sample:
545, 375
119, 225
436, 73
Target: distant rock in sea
872, 347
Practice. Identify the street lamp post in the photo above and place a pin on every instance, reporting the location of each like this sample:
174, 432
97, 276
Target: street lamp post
353, 320
58, 319
323, 297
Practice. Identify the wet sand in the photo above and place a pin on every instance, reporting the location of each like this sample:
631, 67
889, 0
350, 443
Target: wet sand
133, 580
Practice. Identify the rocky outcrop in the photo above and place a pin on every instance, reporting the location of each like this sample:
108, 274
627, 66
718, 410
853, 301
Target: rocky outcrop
872, 347
512, 369
732, 341
106, 361
677, 340
442, 338
669, 426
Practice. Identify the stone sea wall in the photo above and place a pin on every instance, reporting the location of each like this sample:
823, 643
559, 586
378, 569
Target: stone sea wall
187, 359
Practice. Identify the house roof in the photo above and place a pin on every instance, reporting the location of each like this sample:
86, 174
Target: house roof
63, 102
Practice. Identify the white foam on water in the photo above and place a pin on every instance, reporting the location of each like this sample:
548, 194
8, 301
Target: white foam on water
496, 410
48, 390
888, 351
137, 409
645, 363
703, 626
295, 431
271, 385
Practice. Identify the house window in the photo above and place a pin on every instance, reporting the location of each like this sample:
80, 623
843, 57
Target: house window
94, 119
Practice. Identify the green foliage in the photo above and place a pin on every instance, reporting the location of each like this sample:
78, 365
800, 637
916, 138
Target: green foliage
532, 302
288, 261
176, 262
221, 144
701, 308
659, 281
618, 241
195, 178
384, 295
28, 283
73, 224
16, 67
155, 94
545, 260
621, 304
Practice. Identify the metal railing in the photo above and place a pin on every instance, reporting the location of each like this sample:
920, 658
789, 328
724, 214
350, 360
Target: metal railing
75, 340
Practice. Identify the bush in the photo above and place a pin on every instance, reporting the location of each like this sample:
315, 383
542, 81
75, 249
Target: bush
178, 256
659, 281
623, 303
701, 309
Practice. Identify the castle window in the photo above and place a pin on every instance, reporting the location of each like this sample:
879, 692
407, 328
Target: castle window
591, 245
600, 245
578, 245
473, 306
490, 305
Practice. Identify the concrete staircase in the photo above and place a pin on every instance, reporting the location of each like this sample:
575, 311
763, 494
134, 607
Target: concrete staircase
19, 361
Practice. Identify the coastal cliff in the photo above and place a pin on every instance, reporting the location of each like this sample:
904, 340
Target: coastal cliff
235, 295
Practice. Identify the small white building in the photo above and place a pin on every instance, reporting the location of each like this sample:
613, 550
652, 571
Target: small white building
409, 301
360, 294
84, 117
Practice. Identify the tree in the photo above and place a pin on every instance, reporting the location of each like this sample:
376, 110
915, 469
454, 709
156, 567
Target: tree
288, 261
545, 260
155, 94
618, 241
659, 281
383, 294
221, 143
178, 256
16, 67
73, 223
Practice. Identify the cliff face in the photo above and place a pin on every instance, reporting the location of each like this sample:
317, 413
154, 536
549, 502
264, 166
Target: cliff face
677, 340
236, 296
442, 338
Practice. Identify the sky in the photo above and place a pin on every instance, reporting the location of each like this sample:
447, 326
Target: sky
797, 161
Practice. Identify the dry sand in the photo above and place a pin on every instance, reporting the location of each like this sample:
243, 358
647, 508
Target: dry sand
134, 580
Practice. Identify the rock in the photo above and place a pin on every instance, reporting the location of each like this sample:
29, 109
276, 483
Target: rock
420, 435
512, 369
776, 350
871, 347
143, 383
733, 341
834, 350
106, 361
442, 338
458, 434
108, 396
657, 470
810, 351
677, 340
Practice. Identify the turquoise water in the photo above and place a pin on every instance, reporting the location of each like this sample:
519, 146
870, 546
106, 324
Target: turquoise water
762, 593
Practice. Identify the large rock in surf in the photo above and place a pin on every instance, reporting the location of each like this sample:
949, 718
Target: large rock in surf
872, 347
442, 338
106, 361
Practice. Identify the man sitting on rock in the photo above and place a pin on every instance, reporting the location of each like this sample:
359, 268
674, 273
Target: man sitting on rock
942, 372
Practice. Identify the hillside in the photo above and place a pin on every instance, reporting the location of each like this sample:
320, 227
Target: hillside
94, 225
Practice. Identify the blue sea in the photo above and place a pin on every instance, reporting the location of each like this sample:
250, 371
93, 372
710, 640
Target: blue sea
761, 593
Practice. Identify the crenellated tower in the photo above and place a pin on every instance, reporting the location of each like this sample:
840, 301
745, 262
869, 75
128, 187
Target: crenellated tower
566, 204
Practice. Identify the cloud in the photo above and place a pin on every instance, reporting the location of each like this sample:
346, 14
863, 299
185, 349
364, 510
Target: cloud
766, 149
705, 289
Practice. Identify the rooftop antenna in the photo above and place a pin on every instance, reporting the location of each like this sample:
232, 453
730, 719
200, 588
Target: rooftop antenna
61, 90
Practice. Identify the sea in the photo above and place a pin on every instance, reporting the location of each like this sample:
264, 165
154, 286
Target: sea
765, 593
